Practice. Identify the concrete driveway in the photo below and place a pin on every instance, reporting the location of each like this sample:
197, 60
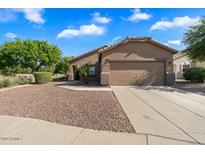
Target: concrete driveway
165, 115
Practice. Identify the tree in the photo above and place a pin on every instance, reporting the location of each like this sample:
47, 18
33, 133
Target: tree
62, 65
84, 72
28, 54
194, 38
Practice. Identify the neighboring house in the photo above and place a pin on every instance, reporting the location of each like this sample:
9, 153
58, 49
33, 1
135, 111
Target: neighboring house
182, 63
133, 61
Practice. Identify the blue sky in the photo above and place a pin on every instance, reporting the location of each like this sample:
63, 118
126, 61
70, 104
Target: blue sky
76, 31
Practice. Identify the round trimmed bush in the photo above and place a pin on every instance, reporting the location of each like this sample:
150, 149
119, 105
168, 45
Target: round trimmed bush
42, 77
195, 74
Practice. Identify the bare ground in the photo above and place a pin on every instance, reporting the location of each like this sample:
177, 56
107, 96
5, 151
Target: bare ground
94, 110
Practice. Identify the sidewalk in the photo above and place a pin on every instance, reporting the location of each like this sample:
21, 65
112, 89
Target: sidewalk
18, 130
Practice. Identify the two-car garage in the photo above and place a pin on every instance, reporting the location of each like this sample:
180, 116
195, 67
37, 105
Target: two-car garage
137, 73
133, 61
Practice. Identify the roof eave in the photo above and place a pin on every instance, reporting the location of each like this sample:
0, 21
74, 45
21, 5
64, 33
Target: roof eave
174, 51
141, 40
87, 53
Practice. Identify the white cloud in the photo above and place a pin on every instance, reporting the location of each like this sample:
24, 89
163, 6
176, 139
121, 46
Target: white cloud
175, 42
99, 19
176, 22
83, 30
138, 15
68, 33
10, 35
91, 30
33, 15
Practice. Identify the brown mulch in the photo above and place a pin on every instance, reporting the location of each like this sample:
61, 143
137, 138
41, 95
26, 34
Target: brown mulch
94, 110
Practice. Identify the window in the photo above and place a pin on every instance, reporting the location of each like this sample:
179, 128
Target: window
92, 70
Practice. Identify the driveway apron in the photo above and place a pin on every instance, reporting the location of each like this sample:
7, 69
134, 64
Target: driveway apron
155, 112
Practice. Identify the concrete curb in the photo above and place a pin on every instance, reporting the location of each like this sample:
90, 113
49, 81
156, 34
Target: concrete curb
81, 88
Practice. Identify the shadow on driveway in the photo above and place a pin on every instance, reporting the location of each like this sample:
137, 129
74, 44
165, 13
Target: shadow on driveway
198, 88
162, 88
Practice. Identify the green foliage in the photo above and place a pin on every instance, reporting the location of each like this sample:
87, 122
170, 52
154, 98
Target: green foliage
25, 56
195, 74
59, 77
42, 77
194, 38
16, 69
62, 65
2, 79
24, 80
84, 72
8, 81
47, 69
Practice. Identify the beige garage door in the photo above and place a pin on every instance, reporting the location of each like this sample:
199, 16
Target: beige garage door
137, 73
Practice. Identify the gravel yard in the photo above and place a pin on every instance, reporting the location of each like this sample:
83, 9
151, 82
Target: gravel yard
94, 110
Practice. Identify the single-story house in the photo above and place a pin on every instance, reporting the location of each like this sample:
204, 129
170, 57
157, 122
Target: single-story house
133, 61
182, 63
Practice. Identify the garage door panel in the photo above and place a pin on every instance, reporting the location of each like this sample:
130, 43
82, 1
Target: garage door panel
137, 73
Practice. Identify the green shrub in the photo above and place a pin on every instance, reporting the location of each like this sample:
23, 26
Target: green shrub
16, 69
10, 81
2, 78
24, 80
195, 74
42, 77
84, 72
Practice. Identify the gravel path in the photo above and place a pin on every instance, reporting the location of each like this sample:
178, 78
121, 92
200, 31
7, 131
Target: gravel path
95, 110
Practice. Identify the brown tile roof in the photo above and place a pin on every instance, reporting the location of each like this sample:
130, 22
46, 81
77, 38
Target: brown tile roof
140, 39
99, 49
128, 39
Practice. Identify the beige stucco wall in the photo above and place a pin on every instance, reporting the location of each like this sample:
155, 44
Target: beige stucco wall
178, 66
200, 64
137, 51
90, 58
